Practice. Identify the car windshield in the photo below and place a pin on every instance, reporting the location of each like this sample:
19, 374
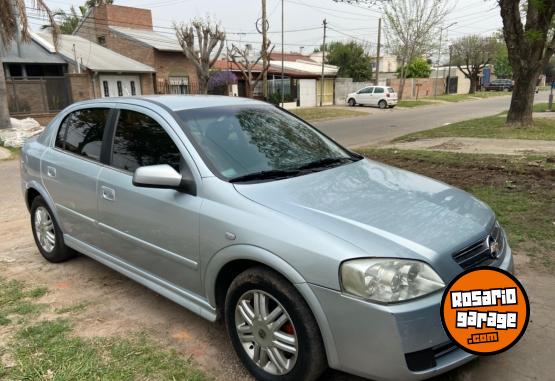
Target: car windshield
248, 143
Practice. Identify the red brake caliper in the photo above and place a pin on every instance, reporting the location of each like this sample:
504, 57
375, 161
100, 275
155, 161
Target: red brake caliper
288, 328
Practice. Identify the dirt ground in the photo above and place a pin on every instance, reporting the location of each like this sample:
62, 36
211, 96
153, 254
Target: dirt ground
480, 145
117, 305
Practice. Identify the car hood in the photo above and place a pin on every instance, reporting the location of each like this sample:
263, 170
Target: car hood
383, 210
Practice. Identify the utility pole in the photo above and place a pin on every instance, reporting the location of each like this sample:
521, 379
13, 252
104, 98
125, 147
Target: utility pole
323, 64
379, 46
265, 51
441, 29
282, 51
449, 71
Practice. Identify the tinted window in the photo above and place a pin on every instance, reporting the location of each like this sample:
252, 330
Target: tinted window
81, 132
242, 140
378, 90
140, 141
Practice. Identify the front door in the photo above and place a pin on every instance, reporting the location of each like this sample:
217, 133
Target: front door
364, 96
154, 230
120, 85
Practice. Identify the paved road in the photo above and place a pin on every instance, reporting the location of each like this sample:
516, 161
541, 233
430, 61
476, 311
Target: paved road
381, 126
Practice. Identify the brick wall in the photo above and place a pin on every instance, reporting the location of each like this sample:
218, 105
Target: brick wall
168, 64
424, 87
80, 86
147, 84
129, 17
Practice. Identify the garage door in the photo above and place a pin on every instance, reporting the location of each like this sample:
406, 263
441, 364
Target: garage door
120, 85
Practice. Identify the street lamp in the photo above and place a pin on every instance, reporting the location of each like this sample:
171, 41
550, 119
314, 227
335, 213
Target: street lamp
441, 29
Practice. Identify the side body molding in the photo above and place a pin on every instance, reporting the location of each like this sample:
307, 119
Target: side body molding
257, 254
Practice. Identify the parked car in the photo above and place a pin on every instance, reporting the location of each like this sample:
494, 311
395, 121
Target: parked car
313, 255
380, 96
499, 85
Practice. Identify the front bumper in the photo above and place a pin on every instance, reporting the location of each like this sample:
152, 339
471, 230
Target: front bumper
405, 341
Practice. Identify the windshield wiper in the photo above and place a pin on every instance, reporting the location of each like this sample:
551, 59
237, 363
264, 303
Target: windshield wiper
328, 162
272, 174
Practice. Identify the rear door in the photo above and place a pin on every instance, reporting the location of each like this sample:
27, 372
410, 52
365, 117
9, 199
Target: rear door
378, 95
154, 230
71, 167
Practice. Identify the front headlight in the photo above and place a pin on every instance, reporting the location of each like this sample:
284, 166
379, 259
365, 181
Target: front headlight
386, 280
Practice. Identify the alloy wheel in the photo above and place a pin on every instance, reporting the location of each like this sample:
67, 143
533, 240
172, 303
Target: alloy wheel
266, 332
44, 229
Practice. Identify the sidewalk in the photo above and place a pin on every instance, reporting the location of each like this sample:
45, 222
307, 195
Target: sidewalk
480, 145
4, 153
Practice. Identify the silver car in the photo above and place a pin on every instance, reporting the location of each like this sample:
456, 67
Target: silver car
237, 210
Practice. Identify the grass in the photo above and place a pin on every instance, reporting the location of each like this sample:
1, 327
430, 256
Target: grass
320, 113
74, 308
41, 349
518, 189
411, 104
542, 107
488, 127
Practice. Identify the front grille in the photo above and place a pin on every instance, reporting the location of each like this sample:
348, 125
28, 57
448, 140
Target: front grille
479, 254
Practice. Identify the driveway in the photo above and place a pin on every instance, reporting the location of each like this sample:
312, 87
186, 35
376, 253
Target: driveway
117, 305
382, 126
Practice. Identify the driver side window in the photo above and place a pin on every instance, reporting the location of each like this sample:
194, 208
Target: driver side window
140, 141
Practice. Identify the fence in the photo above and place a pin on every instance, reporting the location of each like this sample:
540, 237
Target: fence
42, 95
345, 86
419, 87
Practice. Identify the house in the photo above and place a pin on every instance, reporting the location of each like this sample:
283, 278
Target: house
36, 80
98, 72
300, 82
388, 67
129, 31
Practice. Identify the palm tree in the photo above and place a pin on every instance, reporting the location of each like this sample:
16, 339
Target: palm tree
14, 23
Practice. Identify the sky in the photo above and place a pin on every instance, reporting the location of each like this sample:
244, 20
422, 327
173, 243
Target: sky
303, 19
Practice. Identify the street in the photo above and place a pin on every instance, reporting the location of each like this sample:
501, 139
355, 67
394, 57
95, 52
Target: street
381, 126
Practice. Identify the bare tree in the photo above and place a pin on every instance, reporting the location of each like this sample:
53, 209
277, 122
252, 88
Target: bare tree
199, 39
246, 63
14, 25
410, 25
471, 54
529, 46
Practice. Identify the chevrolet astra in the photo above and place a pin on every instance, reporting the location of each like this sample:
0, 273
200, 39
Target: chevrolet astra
311, 254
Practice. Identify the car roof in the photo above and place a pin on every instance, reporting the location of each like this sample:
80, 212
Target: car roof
179, 102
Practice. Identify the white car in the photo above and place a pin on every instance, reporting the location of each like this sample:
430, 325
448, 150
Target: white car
381, 96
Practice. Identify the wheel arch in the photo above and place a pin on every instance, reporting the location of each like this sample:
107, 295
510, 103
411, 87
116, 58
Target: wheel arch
231, 261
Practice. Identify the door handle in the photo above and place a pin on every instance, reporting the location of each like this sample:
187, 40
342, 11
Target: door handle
108, 193
51, 171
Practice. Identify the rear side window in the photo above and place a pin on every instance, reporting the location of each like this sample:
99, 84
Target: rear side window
390, 90
81, 132
140, 141
378, 90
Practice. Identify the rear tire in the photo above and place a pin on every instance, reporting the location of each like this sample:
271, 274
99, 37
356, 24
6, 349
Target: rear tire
47, 233
382, 104
352, 102
251, 303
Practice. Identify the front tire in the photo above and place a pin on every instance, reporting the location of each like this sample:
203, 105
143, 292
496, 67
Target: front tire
272, 329
352, 102
47, 233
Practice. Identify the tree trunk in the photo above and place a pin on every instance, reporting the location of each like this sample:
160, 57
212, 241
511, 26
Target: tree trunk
4, 110
402, 80
522, 101
473, 83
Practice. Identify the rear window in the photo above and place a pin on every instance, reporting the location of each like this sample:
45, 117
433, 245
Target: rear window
81, 132
390, 90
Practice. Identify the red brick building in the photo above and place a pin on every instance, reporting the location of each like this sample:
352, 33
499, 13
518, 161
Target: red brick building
129, 31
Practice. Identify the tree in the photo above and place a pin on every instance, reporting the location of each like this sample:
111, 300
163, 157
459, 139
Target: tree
97, 3
246, 63
471, 54
418, 68
410, 27
529, 46
68, 21
14, 23
352, 60
199, 39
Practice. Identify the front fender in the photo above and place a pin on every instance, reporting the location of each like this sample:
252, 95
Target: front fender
257, 254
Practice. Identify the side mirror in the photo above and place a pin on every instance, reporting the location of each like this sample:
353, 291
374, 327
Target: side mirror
163, 176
